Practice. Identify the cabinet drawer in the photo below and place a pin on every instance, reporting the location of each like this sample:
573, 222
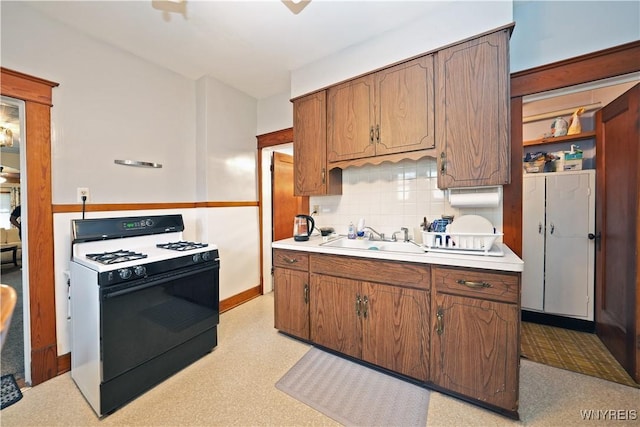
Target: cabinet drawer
478, 283
291, 259
373, 270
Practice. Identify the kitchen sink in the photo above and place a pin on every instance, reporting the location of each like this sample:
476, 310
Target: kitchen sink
373, 245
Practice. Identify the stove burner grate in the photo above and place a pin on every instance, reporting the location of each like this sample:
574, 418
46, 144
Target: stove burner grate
182, 245
116, 256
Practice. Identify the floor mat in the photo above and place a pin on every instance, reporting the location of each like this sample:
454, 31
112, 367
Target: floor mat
353, 394
10, 393
575, 351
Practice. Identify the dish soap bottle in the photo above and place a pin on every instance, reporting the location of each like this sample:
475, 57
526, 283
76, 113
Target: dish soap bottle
352, 231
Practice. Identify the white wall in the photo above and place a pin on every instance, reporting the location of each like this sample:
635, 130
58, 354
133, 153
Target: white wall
109, 105
550, 31
112, 105
446, 23
275, 113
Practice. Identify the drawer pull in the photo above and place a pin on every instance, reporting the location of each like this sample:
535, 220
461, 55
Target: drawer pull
440, 321
290, 260
474, 285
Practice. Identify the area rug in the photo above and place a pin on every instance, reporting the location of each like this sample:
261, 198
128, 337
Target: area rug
10, 393
353, 394
575, 351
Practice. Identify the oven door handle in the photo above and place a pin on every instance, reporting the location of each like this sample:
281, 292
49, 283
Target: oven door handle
149, 282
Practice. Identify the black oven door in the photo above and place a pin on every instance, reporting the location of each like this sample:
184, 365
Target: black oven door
147, 317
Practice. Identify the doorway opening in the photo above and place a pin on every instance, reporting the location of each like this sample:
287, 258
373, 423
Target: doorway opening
558, 294
13, 221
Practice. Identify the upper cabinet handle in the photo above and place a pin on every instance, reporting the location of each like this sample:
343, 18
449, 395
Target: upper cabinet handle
371, 135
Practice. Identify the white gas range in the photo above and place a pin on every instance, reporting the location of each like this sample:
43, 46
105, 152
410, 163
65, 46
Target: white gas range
144, 304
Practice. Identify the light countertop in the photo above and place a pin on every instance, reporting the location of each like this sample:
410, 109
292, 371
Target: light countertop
508, 262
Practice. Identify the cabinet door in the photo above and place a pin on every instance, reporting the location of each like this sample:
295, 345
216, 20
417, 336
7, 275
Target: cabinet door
291, 292
476, 348
350, 120
334, 311
472, 112
533, 237
569, 277
310, 172
404, 110
396, 329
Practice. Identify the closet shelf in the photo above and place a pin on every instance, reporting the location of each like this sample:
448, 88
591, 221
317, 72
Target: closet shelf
555, 140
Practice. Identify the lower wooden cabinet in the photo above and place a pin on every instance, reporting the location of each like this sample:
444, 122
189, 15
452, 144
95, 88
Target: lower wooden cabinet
291, 292
387, 326
475, 335
454, 329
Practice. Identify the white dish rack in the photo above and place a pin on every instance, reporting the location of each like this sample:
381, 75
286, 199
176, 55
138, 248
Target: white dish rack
459, 242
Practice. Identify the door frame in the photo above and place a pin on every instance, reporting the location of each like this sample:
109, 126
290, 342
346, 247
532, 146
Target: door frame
607, 63
267, 140
37, 96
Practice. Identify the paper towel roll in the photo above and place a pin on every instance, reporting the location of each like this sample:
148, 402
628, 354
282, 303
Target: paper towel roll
482, 199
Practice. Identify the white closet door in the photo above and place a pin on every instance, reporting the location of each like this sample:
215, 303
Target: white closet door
533, 200
569, 252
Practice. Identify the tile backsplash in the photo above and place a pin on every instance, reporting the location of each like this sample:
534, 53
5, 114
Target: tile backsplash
390, 196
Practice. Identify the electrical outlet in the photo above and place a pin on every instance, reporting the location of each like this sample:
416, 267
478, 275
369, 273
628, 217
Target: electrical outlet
82, 191
316, 209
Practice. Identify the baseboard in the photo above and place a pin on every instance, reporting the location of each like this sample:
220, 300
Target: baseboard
241, 298
558, 321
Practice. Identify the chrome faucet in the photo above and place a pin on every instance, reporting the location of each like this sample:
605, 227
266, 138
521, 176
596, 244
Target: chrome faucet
372, 232
404, 230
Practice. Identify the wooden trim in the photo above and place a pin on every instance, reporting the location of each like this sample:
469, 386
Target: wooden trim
270, 139
113, 207
615, 61
241, 298
607, 63
37, 95
26, 87
64, 363
512, 193
278, 137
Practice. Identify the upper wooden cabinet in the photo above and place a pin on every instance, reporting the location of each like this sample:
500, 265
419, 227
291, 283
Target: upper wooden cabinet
388, 112
472, 112
311, 174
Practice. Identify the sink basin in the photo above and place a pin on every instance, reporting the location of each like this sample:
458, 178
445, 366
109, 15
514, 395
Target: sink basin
374, 245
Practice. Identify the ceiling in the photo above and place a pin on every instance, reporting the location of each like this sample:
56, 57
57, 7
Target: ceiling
249, 45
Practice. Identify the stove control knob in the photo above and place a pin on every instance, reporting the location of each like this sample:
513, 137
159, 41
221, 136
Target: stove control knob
196, 257
140, 270
206, 256
124, 273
